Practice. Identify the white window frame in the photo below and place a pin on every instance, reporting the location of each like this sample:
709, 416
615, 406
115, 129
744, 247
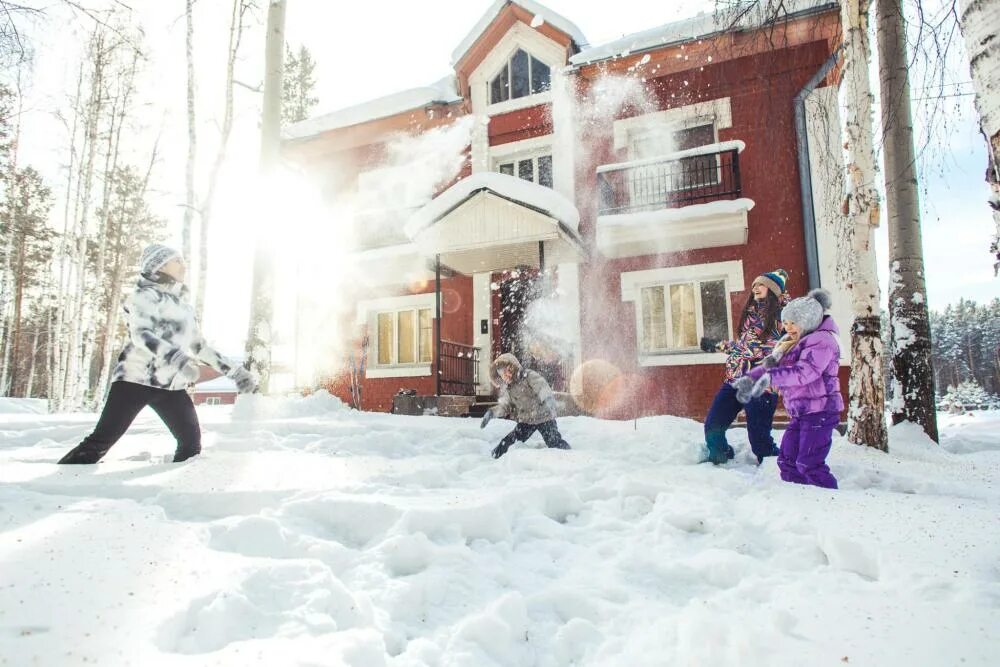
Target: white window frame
668, 314
368, 312
213, 400
395, 363
731, 273
533, 156
510, 82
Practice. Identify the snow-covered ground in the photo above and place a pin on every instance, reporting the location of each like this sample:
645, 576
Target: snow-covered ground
308, 534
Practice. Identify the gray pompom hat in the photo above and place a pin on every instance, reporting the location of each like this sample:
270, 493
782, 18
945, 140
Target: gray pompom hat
807, 311
154, 257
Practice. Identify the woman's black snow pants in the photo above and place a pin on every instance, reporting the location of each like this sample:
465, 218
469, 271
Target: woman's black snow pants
125, 400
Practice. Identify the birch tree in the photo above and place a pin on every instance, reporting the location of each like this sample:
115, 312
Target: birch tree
866, 388
980, 23
192, 152
258, 346
913, 377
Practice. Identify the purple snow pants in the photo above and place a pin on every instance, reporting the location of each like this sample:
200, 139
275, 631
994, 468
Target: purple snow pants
804, 448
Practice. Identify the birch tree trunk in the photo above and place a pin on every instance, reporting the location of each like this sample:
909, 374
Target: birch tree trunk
909, 323
192, 138
57, 364
980, 22
258, 350
866, 411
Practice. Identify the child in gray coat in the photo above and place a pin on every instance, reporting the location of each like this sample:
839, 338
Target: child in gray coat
526, 397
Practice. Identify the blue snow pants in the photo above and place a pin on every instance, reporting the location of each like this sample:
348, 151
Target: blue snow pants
725, 408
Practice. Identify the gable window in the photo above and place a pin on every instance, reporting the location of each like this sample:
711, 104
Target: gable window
404, 337
520, 76
674, 317
537, 169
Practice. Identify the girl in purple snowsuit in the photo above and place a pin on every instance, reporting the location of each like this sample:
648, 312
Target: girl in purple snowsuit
803, 367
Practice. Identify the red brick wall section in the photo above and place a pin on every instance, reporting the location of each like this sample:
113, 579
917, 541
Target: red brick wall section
226, 397
521, 124
761, 89
456, 309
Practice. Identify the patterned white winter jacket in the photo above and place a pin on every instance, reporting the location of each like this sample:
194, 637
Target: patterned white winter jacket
165, 342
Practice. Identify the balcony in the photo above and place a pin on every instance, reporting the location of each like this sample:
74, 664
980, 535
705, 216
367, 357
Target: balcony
679, 201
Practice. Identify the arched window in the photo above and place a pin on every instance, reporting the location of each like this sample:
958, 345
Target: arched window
521, 75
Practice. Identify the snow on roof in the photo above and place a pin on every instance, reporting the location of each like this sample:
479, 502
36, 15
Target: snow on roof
219, 384
697, 27
666, 215
547, 16
440, 92
517, 189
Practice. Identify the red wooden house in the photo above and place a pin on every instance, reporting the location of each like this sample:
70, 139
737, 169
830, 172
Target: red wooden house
610, 208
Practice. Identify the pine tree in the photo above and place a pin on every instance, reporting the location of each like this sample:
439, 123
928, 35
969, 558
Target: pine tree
24, 222
297, 86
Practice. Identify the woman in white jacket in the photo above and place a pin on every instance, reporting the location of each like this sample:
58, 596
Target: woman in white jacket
159, 362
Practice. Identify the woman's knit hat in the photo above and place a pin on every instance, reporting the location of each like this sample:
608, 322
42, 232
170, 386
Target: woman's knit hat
154, 257
807, 311
773, 280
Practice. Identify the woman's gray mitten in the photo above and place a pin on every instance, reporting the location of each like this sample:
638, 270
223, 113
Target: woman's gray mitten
743, 386
761, 385
246, 383
770, 361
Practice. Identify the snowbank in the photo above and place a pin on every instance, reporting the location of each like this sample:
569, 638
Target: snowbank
23, 406
254, 407
371, 540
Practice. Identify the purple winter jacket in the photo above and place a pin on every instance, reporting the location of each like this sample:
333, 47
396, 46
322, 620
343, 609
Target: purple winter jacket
807, 374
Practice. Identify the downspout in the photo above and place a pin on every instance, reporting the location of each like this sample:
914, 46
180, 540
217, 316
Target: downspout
805, 173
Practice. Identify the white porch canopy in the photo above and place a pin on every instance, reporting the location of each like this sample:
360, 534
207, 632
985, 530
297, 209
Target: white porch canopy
491, 222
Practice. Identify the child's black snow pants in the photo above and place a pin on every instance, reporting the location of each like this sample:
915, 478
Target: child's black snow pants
549, 430
125, 400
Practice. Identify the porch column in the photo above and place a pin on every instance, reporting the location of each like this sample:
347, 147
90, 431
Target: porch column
437, 315
541, 257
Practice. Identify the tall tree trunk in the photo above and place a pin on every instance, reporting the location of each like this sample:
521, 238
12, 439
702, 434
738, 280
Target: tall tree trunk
258, 350
76, 373
192, 137
57, 364
31, 366
980, 21
866, 412
909, 323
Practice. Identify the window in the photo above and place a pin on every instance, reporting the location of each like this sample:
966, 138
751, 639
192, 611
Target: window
404, 337
520, 76
652, 184
213, 400
537, 169
674, 317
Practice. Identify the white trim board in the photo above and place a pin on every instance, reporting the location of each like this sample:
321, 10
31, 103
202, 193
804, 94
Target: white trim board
633, 281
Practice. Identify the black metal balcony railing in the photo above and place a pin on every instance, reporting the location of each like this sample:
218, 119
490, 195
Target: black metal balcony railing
459, 369
669, 182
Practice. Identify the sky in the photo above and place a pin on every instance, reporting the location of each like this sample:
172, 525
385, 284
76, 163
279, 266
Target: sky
365, 50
